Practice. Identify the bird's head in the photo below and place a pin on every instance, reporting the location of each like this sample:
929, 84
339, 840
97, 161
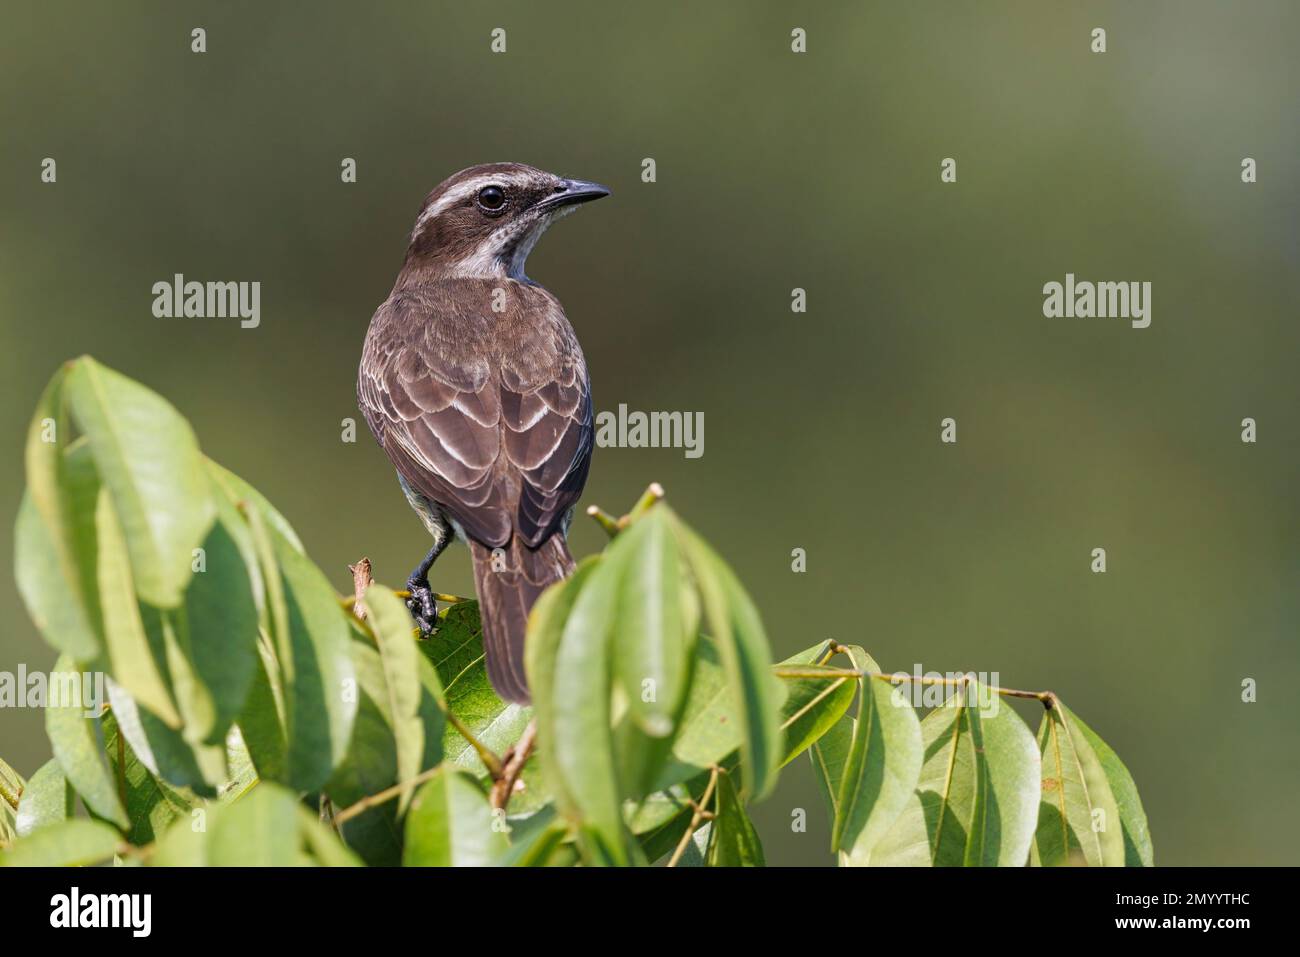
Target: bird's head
485, 220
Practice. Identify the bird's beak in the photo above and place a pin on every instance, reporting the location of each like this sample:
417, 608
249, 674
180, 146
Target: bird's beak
571, 192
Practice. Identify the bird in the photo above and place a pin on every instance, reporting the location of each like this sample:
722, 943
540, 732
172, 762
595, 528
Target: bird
474, 384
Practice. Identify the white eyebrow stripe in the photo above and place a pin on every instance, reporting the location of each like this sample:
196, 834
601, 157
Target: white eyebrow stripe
460, 192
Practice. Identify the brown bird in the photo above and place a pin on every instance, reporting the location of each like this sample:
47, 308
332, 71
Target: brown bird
473, 382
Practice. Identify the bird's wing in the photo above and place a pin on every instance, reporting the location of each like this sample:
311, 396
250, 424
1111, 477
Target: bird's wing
549, 434
504, 450
438, 418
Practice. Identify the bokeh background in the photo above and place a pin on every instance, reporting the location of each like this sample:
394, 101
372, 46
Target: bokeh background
775, 170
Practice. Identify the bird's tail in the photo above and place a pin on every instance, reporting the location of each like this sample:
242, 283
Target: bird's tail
509, 580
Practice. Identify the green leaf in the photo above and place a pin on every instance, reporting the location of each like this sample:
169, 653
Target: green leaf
1079, 821
163, 751
456, 652
882, 767
46, 800
697, 847
371, 763
147, 457
573, 704
12, 787
450, 824
829, 754
392, 626
75, 738
733, 842
218, 630
308, 680
152, 805
652, 643
75, 842
979, 788
746, 661
55, 534
812, 706
262, 719
546, 624
542, 845
236, 490
131, 658
1138, 850
265, 828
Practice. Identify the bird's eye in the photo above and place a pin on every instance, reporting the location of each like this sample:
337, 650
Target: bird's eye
491, 198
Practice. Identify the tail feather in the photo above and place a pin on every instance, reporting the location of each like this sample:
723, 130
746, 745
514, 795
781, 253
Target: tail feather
509, 581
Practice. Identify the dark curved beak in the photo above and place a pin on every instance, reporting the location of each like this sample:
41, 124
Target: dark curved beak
571, 192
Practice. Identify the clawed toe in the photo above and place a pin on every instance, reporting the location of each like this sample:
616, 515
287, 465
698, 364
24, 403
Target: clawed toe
423, 607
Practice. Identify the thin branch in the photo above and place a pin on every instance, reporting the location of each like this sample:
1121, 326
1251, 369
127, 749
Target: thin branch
652, 494
697, 817
374, 800
1047, 698
606, 521
515, 759
361, 580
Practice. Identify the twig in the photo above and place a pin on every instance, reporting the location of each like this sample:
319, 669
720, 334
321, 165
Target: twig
515, 759
1047, 698
374, 800
652, 494
696, 818
606, 521
361, 580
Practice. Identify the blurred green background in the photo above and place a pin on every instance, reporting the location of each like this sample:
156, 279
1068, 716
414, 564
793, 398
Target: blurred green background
775, 170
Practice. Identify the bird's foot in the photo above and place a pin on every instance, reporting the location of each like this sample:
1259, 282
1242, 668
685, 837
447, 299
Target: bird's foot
423, 607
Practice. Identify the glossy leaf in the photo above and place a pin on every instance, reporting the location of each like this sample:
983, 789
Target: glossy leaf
238, 491
75, 842
546, 624
450, 824
151, 805
392, 626
164, 751
132, 660
578, 706
881, 769
652, 643
55, 534
308, 680
75, 736
733, 842
371, 763
743, 650
147, 457
218, 630
829, 754
1079, 821
46, 800
812, 706
265, 828
1138, 851
978, 793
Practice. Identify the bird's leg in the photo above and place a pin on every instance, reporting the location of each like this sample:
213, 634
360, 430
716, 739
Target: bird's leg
423, 608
